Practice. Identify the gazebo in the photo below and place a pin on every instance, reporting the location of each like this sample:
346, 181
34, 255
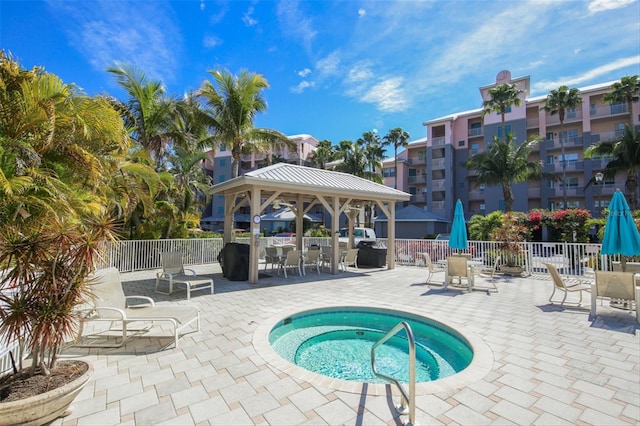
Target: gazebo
300, 188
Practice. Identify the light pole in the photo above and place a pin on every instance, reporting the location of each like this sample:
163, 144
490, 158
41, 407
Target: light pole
599, 176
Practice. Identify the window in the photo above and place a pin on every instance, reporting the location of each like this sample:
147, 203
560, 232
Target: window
570, 158
569, 135
549, 136
412, 172
571, 113
507, 129
572, 182
412, 190
460, 143
482, 207
552, 205
220, 210
223, 162
619, 129
551, 184
592, 109
389, 172
482, 187
550, 159
475, 148
221, 178
223, 147
422, 155
573, 204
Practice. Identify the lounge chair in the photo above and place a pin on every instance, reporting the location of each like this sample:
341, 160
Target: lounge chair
561, 285
616, 285
350, 259
458, 266
292, 261
174, 273
111, 305
431, 268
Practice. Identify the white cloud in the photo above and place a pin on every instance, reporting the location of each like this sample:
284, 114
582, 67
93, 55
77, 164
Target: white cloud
329, 65
295, 23
587, 75
202, 5
302, 86
597, 6
104, 34
361, 12
360, 72
388, 95
248, 20
211, 42
305, 72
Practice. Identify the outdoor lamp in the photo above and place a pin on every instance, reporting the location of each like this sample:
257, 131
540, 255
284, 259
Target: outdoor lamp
599, 177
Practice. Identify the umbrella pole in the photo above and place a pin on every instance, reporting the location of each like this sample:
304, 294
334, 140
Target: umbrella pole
623, 263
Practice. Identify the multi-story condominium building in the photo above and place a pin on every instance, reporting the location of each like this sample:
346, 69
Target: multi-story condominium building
220, 164
432, 168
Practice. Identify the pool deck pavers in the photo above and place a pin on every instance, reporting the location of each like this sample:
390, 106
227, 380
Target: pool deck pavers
545, 364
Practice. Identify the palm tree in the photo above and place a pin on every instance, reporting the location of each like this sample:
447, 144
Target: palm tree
399, 139
625, 157
504, 163
232, 107
626, 90
501, 98
148, 112
323, 154
558, 101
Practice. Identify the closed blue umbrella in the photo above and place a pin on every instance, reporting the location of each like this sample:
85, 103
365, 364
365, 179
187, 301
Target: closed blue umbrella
620, 233
458, 239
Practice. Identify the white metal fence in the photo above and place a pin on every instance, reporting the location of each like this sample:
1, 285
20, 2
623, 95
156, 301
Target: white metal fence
570, 258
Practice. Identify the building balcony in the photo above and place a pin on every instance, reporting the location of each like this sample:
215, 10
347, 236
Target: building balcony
554, 120
606, 111
474, 132
440, 141
417, 179
572, 166
533, 123
418, 198
607, 136
570, 142
438, 163
438, 184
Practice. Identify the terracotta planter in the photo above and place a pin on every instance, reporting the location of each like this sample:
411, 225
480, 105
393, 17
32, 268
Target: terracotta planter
512, 270
46, 407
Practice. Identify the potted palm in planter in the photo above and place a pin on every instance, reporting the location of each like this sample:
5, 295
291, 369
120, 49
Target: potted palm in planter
58, 152
46, 270
510, 236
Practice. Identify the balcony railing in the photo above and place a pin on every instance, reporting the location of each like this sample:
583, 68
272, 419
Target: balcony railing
608, 110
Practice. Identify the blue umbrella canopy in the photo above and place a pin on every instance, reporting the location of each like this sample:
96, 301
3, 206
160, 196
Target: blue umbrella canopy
620, 233
458, 239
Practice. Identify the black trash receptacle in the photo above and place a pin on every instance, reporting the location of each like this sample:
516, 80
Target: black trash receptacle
370, 255
234, 261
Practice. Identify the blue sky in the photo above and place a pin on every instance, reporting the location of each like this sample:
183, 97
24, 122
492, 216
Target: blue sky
336, 68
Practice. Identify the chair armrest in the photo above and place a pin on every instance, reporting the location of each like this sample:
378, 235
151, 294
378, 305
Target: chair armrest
189, 272
149, 301
89, 313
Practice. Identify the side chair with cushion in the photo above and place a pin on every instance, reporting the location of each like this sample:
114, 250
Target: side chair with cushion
292, 261
616, 285
109, 304
458, 266
312, 259
350, 259
431, 268
561, 285
174, 273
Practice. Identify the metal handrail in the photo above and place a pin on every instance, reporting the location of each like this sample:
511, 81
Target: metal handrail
406, 399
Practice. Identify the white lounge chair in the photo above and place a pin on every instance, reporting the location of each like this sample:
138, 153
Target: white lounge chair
560, 285
616, 286
174, 272
109, 304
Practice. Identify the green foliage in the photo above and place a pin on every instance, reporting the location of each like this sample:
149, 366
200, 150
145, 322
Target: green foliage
480, 227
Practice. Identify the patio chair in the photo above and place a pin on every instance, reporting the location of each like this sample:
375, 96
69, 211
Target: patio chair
271, 257
325, 256
311, 259
616, 285
561, 285
111, 305
458, 266
292, 261
174, 273
431, 268
350, 259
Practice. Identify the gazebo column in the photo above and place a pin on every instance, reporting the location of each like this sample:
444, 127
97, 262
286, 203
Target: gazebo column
254, 244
